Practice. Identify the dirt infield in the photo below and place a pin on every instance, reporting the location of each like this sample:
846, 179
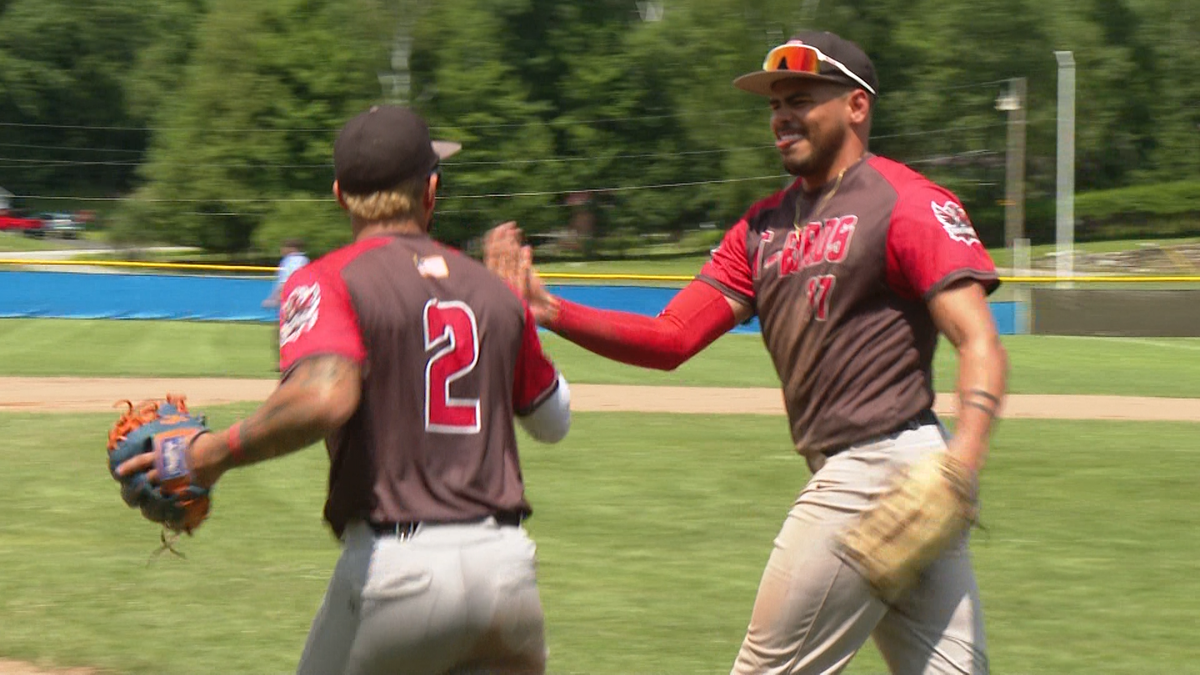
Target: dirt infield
19, 668
65, 394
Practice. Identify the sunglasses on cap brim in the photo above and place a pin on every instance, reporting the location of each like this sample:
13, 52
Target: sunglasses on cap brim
797, 57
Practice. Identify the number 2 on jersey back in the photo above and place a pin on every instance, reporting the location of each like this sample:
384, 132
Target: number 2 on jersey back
452, 343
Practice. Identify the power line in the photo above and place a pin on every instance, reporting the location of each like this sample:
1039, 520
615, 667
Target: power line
945, 159
498, 195
934, 132
70, 148
457, 127
18, 162
440, 212
463, 127
329, 165
655, 155
628, 188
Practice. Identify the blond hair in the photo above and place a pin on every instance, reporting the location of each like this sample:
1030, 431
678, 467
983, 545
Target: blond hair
406, 201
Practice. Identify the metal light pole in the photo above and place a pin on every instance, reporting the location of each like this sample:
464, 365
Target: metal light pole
1013, 102
397, 82
650, 10
1065, 220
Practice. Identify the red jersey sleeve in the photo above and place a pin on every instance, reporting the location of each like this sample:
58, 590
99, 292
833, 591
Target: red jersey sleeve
317, 317
932, 244
729, 269
536, 378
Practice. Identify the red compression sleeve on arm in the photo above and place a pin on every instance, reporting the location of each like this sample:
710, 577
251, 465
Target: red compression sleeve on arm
695, 317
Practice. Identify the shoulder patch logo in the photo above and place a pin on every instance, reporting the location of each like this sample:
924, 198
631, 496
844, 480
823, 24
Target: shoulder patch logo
433, 267
955, 221
299, 312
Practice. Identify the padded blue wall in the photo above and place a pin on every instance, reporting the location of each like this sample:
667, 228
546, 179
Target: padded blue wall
80, 295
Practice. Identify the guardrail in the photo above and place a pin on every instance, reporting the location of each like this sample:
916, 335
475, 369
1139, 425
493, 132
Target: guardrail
579, 276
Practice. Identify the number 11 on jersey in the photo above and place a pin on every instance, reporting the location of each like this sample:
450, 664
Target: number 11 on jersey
819, 290
452, 343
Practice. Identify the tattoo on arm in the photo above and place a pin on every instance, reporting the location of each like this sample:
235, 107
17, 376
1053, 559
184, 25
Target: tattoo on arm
298, 413
985, 408
980, 399
989, 396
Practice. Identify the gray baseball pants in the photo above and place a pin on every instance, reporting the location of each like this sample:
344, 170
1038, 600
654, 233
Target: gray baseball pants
813, 612
449, 599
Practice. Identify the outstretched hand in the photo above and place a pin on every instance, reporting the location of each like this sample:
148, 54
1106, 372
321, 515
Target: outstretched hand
502, 255
512, 261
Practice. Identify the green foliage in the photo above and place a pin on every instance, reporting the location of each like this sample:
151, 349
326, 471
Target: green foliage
322, 225
255, 120
1161, 199
63, 78
469, 88
206, 116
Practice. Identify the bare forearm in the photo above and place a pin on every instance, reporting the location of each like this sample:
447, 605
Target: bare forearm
287, 422
982, 373
316, 399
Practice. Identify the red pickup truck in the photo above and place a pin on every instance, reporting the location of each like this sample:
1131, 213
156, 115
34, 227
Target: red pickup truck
18, 223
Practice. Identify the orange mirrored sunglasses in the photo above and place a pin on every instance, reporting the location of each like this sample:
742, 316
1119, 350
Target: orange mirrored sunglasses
798, 57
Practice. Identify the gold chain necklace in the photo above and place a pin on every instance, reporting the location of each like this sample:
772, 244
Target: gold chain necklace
837, 183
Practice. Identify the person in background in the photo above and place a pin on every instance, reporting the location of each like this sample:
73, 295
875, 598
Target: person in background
293, 258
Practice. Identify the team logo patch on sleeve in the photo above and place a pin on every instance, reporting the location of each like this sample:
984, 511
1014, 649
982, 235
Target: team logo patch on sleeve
433, 266
955, 221
299, 312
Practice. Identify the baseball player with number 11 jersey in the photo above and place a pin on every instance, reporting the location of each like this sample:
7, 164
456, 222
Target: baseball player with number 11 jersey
853, 271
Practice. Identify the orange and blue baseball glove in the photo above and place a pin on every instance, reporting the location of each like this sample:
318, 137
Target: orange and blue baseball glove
165, 428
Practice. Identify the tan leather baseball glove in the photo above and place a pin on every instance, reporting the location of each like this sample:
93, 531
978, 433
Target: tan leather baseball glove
926, 510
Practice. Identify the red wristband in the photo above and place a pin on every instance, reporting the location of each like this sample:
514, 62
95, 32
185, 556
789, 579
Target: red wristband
233, 440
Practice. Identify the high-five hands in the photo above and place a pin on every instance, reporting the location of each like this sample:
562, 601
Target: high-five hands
506, 256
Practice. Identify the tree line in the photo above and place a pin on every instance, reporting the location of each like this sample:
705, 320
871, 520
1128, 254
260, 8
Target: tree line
211, 122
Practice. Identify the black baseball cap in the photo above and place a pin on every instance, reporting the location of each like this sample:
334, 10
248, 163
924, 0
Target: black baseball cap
814, 55
383, 147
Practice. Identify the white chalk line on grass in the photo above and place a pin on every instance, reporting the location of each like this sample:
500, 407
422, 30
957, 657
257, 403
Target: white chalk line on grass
1189, 346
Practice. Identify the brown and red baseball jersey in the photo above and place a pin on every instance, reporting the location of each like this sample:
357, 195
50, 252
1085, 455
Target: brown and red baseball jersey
840, 279
448, 353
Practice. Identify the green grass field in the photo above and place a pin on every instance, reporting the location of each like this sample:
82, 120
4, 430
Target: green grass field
15, 242
1039, 365
652, 529
652, 533
1003, 256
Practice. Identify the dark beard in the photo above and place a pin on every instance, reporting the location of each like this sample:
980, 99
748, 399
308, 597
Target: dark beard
825, 149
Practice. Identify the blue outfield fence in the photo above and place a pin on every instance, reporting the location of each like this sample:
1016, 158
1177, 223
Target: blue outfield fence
650, 301
81, 295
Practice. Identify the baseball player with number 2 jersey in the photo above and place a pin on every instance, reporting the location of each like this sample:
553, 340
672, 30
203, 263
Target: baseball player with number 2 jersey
853, 271
411, 362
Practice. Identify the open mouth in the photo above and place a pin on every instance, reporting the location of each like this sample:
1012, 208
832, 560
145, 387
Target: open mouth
786, 140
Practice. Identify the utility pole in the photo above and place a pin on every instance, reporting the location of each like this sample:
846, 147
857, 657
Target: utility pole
397, 83
1013, 102
1065, 218
650, 11
808, 14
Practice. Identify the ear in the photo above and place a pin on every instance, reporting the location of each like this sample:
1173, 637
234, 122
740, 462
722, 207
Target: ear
431, 192
337, 193
860, 106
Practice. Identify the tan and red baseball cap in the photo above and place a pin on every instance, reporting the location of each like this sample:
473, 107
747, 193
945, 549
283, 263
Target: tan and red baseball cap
383, 147
815, 55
